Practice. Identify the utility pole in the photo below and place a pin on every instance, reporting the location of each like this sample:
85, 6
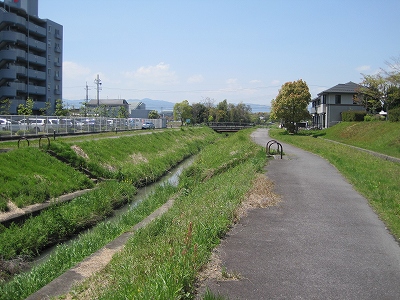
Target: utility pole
87, 99
97, 81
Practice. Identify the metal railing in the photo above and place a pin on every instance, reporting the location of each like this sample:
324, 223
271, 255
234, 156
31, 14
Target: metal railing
17, 125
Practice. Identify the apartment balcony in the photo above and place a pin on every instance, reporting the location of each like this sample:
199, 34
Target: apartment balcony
37, 74
36, 90
7, 19
39, 60
37, 30
13, 37
7, 92
8, 74
37, 45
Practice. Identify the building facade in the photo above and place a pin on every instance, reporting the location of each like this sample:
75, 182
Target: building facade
108, 108
327, 107
30, 58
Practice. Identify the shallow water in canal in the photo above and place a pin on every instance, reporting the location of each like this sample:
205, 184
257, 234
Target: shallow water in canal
172, 177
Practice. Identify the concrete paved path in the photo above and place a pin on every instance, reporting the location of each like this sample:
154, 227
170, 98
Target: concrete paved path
322, 242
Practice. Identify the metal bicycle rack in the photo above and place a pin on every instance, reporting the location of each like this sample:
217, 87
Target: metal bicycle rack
273, 142
48, 141
23, 138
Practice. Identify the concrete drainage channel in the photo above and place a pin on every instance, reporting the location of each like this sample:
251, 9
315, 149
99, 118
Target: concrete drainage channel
92, 264
101, 258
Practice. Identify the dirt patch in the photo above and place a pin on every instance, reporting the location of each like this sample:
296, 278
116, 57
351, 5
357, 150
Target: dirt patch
138, 158
80, 152
261, 195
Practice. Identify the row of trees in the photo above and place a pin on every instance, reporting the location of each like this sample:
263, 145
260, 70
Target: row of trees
27, 108
206, 111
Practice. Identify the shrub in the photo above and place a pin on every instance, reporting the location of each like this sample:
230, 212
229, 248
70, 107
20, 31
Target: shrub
394, 114
352, 115
370, 118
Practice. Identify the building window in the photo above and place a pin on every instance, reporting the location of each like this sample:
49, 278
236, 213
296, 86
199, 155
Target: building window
49, 71
338, 99
323, 99
49, 28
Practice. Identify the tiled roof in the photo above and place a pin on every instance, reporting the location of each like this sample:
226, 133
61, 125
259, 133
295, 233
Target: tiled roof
341, 88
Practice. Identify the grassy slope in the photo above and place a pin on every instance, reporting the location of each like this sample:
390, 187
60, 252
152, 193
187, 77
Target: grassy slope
383, 137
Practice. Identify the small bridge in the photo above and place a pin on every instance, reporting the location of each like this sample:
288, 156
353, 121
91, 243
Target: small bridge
229, 126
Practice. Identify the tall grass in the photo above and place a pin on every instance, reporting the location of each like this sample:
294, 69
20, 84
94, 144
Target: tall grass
63, 220
376, 179
68, 255
138, 159
161, 260
29, 176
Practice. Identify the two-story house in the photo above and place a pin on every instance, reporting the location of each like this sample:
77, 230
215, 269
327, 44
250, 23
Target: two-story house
327, 107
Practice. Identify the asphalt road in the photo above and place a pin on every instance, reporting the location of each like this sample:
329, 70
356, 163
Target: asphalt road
322, 242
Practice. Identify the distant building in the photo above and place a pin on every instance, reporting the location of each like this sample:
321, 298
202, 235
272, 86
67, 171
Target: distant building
108, 107
327, 107
138, 110
30, 56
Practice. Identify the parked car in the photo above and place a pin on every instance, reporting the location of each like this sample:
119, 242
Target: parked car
4, 124
148, 125
36, 124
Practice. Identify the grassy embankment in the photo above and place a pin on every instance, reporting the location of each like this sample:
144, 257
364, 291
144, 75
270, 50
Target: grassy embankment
161, 260
29, 176
376, 179
62, 220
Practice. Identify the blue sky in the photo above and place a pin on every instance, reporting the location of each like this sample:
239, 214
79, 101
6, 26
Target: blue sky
242, 51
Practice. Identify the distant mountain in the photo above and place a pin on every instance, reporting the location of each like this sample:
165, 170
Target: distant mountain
158, 105
161, 105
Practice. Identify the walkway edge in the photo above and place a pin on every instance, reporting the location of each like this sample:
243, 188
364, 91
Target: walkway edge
377, 154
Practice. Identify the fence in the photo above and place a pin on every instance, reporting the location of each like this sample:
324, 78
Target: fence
16, 125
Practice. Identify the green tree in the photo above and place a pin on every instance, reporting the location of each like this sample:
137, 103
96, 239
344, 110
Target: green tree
25, 109
290, 106
199, 113
46, 108
182, 111
374, 92
5, 105
153, 114
60, 110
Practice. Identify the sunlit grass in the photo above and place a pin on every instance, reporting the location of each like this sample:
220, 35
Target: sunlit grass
161, 261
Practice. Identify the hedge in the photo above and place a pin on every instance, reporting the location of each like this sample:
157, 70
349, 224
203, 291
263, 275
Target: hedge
352, 115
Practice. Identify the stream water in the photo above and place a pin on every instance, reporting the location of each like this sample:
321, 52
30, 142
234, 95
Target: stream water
172, 177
